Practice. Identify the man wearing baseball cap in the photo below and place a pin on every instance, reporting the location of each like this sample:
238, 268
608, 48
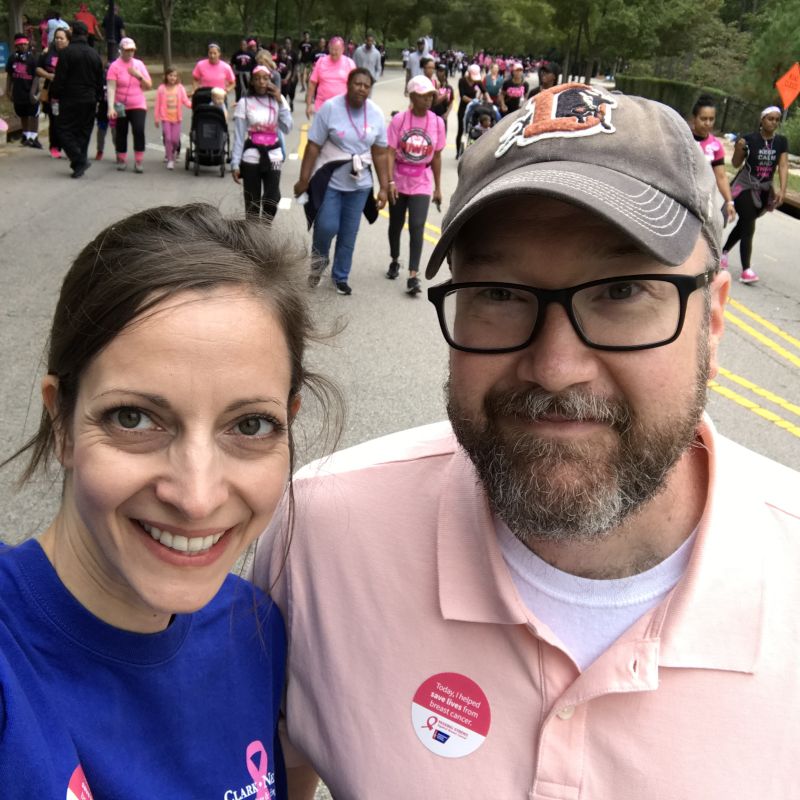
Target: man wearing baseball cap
564, 592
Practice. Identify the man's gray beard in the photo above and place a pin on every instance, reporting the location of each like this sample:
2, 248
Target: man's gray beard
596, 487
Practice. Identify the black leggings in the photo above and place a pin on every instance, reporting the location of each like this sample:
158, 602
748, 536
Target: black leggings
262, 190
745, 227
417, 207
136, 118
459, 144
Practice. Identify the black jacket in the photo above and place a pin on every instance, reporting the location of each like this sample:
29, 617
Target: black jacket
79, 74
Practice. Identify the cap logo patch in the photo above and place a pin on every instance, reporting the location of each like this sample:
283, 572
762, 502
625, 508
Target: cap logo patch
572, 109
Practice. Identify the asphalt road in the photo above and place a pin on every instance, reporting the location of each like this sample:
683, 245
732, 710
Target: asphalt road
390, 359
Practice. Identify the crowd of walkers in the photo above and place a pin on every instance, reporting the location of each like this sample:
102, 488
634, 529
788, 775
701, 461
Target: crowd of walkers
349, 143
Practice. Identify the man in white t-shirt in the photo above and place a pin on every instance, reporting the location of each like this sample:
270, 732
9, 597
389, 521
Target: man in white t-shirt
565, 592
413, 66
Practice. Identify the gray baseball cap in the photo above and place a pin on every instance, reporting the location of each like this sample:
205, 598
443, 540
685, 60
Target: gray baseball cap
632, 161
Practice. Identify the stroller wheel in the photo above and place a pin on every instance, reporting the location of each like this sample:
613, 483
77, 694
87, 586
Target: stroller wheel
222, 169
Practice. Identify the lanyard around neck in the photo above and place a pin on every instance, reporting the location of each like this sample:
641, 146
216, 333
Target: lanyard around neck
361, 135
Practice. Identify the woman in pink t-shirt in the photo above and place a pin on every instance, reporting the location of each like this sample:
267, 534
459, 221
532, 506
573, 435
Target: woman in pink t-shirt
701, 121
416, 138
127, 81
329, 76
213, 72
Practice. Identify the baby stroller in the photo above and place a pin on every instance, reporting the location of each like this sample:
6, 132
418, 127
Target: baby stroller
472, 119
209, 143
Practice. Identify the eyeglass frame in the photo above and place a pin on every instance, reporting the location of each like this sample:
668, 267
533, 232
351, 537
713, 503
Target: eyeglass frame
685, 284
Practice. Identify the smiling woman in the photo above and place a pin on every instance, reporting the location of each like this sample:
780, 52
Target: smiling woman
174, 375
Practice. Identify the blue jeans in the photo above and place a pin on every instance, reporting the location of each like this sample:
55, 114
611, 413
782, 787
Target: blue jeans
339, 216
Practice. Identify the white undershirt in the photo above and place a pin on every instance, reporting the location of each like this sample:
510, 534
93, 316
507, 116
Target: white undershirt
588, 615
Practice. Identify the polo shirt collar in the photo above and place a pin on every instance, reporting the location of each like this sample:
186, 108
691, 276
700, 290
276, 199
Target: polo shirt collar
713, 618
474, 582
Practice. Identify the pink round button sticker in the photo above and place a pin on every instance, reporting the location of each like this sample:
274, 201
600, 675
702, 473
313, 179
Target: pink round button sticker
78, 788
451, 715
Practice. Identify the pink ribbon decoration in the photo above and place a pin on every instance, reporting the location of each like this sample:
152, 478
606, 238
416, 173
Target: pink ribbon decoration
258, 772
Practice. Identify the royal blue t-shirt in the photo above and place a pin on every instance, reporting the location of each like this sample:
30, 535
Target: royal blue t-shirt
92, 712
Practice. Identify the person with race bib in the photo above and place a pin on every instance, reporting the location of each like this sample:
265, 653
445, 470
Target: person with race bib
416, 138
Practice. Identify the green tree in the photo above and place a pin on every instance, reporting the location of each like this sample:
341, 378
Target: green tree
776, 46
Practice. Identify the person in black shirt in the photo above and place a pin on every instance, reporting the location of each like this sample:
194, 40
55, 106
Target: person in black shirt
759, 156
514, 90
443, 102
46, 69
242, 63
306, 49
22, 84
470, 88
79, 86
114, 30
320, 50
285, 65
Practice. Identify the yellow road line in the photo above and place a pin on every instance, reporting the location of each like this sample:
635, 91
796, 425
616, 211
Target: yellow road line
761, 392
729, 394
766, 341
771, 327
301, 148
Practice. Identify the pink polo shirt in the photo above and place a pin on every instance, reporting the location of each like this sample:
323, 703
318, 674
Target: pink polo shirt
218, 75
416, 672
330, 77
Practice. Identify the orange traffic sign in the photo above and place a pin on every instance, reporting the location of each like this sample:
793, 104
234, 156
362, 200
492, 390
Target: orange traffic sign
789, 85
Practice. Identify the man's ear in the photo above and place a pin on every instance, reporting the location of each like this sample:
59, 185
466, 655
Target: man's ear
63, 441
720, 287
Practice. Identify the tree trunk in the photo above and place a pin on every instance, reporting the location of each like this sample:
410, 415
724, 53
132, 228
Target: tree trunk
14, 17
167, 7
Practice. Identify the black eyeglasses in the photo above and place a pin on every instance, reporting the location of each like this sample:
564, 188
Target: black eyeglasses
634, 312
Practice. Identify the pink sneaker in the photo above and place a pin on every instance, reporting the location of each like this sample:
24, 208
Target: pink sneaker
55, 152
723, 261
748, 276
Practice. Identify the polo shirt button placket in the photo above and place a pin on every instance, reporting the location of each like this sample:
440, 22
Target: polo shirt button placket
566, 712
559, 771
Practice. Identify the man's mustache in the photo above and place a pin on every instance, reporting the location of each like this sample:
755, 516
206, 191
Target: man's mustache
534, 404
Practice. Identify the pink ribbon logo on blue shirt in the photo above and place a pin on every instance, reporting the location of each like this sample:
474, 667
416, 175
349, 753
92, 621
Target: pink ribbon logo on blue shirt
258, 769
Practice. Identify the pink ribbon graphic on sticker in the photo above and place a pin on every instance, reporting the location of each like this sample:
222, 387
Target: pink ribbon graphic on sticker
430, 723
258, 771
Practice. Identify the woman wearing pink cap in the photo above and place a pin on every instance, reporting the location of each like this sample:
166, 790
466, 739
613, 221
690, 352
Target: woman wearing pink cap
127, 81
416, 139
329, 76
